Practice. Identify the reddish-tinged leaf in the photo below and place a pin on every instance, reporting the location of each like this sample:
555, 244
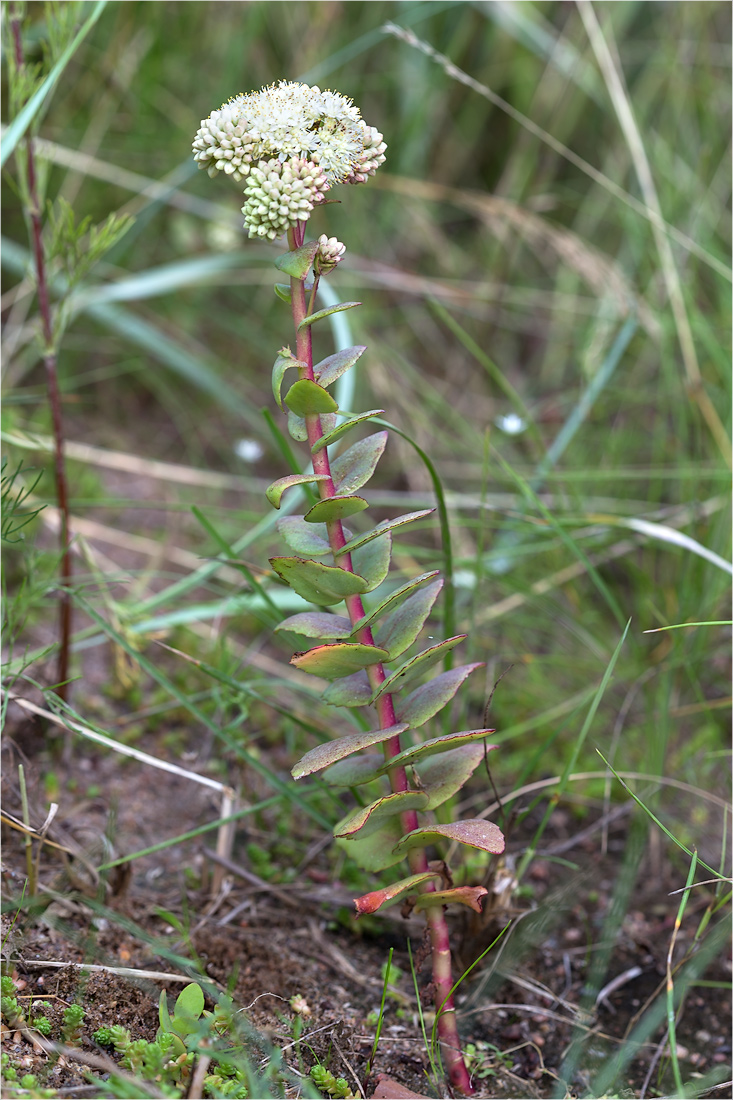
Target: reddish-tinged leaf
316, 582
336, 433
389, 1089
275, 491
443, 776
354, 770
337, 507
372, 561
388, 895
444, 743
305, 398
352, 691
304, 538
400, 629
285, 360
354, 467
313, 317
337, 660
328, 370
365, 820
462, 895
317, 624
475, 833
331, 751
393, 599
429, 698
389, 525
417, 665
375, 852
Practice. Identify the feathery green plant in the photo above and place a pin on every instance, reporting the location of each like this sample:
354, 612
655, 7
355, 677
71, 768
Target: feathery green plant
292, 143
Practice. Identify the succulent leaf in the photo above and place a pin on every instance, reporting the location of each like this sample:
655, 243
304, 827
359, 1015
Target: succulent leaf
443, 776
445, 743
275, 491
351, 691
318, 583
330, 369
428, 699
366, 819
313, 317
417, 665
463, 895
355, 467
372, 561
475, 833
328, 753
336, 433
386, 525
393, 599
338, 507
354, 770
338, 659
388, 895
305, 398
375, 852
298, 263
285, 360
317, 624
304, 538
401, 628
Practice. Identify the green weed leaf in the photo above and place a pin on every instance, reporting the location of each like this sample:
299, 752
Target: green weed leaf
393, 599
401, 628
338, 659
329, 370
338, 507
445, 743
372, 561
355, 467
461, 895
284, 362
365, 820
317, 624
336, 433
352, 691
318, 583
475, 833
304, 538
311, 320
387, 525
275, 491
428, 699
417, 665
298, 263
328, 753
388, 895
305, 398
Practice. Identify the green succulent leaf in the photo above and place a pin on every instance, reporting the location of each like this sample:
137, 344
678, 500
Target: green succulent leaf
475, 833
445, 743
318, 583
428, 699
461, 895
354, 468
372, 561
337, 659
386, 525
375, 852
305, 398
388, 895
367, 819
275, 491
442, 776
336, 433
330, 369
352, 691
330, 751
298, 263
401, 628
394, 599
304, 538
311, 320
338, 507
284, 293
297, 428
317, 624
417, 665
354, 770
285, 360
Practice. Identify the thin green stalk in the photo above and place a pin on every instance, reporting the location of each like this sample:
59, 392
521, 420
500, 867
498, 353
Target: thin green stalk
27, 842
373, 1055
671, 1022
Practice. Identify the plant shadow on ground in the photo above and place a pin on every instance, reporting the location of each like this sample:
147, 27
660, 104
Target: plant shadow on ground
274, 945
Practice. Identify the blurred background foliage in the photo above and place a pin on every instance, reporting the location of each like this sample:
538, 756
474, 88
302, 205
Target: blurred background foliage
518, 317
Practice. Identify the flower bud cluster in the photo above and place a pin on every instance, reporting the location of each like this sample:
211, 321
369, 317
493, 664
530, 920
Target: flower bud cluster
330, 253
270, 136
279, 195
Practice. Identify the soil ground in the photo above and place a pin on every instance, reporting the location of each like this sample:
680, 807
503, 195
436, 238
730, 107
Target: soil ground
266, 943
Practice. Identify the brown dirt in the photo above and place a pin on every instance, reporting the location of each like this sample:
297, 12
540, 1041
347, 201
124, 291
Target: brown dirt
269, 942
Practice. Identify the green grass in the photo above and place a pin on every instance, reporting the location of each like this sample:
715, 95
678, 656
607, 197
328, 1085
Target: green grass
510, 260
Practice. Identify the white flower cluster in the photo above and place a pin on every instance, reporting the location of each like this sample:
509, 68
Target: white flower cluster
289, 122
330, 253
280, 194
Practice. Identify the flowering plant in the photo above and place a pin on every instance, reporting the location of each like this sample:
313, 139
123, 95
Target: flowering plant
291, 144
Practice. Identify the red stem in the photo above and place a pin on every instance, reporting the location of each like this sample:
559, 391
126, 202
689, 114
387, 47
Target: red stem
54, 399
437, 926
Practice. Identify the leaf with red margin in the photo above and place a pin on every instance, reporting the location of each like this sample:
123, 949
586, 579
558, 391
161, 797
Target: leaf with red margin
328, 370
444, 743
388, 895
338, 659
475, 833
317, 624
375, 852
351, 691
443, 776
463, 895
331, 751
428, 699
416, 666
365, 820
